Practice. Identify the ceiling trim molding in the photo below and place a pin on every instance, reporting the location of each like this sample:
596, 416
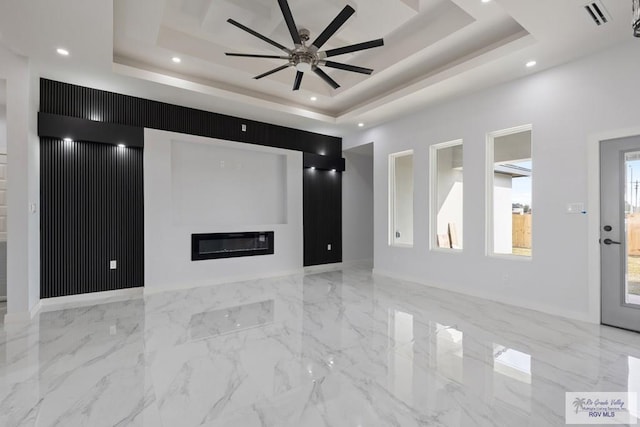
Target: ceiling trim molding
156, 77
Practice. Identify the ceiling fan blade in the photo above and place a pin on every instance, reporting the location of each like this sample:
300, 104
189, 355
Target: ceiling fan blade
275, 70
326, 78
348, 67
334, 26
258, 35
288, 18
296, 84
354, 48
251, 55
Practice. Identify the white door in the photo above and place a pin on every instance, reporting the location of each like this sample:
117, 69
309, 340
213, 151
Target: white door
620, 232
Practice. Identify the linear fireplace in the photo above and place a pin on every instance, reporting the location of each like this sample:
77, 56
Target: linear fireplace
230, 245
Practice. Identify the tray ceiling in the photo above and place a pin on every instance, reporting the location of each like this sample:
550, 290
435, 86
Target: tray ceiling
422, 38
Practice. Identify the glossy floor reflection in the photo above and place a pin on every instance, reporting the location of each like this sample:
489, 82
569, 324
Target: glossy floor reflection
328, 349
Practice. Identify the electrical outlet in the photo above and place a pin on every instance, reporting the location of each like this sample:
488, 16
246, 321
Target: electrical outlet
329, 247
113, 264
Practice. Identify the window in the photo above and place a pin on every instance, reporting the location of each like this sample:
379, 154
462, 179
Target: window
509, 180
401, 199
446, 195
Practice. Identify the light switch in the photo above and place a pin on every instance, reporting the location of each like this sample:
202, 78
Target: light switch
113, 264
575, 208
244, 127
329, 247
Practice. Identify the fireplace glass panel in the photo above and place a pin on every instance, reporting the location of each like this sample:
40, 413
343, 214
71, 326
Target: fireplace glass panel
227, 245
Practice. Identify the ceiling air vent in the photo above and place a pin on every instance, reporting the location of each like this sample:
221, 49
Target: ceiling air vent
597, 12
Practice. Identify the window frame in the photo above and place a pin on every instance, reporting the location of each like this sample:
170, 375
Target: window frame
392, 211
489, 196
433, 199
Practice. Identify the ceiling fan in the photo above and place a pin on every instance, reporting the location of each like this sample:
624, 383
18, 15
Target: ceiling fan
309, 58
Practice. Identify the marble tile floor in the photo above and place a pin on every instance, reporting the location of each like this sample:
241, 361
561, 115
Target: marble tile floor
339, 348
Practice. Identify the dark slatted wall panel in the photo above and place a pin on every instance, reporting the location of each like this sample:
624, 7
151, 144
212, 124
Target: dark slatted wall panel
322, 216
91, 198
92, 104
91, 194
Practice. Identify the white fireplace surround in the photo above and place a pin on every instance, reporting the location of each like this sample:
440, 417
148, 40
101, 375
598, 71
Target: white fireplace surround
204, 185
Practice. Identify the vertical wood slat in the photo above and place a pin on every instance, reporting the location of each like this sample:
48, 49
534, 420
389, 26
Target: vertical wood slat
92, 212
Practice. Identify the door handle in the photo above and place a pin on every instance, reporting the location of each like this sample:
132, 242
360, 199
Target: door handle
608, 241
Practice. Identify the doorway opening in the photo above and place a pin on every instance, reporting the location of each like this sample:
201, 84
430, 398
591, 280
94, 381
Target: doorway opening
357, 204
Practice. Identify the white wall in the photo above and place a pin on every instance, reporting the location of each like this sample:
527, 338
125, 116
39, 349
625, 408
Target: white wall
168, 262
357, 207
565, 105
23, 225
3, 243
221, 185
3, 126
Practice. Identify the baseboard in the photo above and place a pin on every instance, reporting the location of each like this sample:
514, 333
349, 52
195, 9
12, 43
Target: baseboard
368, 263
323, 267
17, 318
82, 300
148, 290
584, 317
12, 319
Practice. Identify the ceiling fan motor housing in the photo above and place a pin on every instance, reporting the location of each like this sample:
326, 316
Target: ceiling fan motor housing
304, 34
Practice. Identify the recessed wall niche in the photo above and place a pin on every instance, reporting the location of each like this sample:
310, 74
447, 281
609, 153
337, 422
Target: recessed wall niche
214, 184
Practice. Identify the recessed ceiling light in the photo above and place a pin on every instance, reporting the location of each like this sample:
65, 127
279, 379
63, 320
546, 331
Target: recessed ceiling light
486, 1
313, 98
68, 140
531, 64
121, 146
63, 52
361, 125
176, 60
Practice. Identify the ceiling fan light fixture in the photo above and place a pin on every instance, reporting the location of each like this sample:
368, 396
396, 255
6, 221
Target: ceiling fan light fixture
304, 65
